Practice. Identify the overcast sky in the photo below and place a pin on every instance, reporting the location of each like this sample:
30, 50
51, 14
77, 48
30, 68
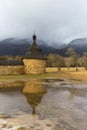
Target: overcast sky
52, 20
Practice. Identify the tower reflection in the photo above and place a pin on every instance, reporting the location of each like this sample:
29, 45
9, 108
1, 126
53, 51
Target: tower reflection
34, 90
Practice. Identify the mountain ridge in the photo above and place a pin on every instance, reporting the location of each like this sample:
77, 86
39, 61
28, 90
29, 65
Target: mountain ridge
13, 46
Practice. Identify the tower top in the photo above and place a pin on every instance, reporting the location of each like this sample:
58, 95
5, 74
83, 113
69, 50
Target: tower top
34, 37
34, 52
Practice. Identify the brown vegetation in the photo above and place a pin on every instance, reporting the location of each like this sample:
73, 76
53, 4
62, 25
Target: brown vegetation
72, 59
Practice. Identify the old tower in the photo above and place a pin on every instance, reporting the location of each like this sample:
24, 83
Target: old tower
34, 61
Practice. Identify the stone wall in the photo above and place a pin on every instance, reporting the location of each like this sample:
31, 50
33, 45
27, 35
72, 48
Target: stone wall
34, 66
6, 70
51, 69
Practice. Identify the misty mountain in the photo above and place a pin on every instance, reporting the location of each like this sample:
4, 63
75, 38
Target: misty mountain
13, 46
79, 45
49, 47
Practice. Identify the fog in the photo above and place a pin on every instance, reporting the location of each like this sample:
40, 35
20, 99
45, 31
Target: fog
51, 20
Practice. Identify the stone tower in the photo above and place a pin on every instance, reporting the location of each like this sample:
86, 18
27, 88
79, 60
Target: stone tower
34, 61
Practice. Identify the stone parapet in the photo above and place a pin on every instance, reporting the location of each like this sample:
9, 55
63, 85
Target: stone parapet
8, 70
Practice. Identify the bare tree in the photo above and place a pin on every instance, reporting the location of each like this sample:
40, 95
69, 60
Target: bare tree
71, 53
55, 60
83, 60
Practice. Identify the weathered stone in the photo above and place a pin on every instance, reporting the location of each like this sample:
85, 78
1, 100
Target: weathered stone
5, 70
34, 60
34, 66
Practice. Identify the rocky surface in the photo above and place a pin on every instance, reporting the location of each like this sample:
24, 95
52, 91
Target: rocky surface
26, 122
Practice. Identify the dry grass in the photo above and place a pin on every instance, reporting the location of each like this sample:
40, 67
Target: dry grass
79, 75
55, 69
68, 73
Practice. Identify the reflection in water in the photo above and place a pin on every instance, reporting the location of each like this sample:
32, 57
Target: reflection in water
34, 91
73, 92
66, 113
76, 92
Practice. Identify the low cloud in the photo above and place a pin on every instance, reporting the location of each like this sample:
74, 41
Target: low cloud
52, 20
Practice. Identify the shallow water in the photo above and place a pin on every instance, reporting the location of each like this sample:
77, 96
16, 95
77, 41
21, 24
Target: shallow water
65, 103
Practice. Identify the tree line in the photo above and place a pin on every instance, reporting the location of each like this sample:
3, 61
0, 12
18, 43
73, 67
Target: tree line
72, 59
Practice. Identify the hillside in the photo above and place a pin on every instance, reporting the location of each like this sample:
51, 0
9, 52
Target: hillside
19, 47
15, 47
80, 45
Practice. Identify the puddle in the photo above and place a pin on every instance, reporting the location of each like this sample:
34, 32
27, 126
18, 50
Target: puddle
53, 105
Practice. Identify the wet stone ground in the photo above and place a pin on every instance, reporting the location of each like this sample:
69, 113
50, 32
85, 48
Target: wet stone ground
44, 105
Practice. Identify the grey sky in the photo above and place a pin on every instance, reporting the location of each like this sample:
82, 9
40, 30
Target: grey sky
53, 20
